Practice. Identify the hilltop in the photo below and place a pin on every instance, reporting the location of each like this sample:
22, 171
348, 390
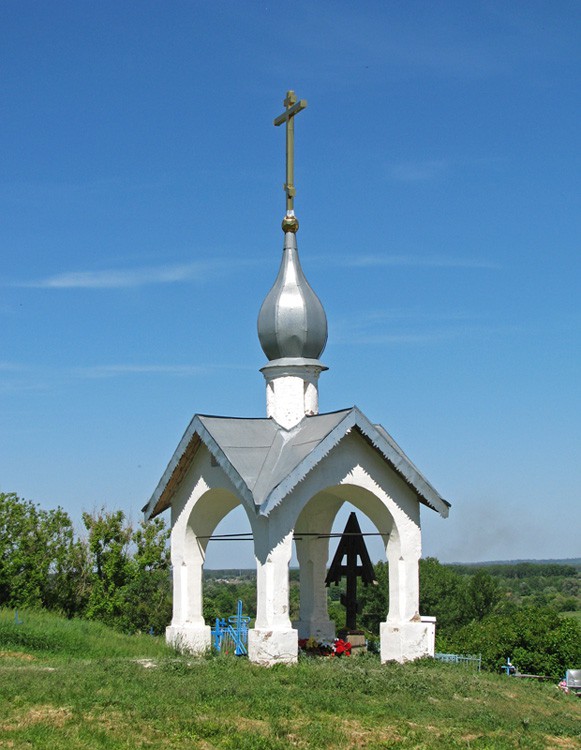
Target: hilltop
73, 684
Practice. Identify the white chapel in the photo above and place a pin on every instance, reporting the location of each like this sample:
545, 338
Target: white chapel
292, 471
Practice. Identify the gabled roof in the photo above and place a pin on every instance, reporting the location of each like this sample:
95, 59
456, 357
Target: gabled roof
265, 462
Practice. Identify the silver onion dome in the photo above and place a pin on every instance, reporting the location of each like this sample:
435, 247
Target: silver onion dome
292, 322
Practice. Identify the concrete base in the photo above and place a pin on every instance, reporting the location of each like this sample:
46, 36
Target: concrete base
197, 639
268, 647
320, 630
407, 641
358, 642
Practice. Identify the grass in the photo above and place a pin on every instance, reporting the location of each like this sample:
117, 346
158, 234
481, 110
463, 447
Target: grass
72, 684
46, 633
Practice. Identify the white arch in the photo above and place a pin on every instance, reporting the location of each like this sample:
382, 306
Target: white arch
195, 515
353, 471
317, 518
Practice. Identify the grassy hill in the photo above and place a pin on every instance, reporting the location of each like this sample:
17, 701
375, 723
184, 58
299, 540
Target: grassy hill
74, 684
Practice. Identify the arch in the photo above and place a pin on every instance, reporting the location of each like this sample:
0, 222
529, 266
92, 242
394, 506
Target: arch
195, 520
317, 517
352, 471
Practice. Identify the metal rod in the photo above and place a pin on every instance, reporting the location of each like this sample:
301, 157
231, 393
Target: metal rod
247, 535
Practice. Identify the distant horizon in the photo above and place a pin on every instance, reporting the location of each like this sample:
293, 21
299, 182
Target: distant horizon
573, 561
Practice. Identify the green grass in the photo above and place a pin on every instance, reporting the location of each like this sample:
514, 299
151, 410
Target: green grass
71, 684
44, 632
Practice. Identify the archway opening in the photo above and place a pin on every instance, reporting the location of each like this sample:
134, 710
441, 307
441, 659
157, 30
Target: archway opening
230, 568
372, 598
318, 533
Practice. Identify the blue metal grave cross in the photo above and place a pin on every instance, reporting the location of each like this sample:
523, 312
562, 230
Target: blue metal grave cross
232, 632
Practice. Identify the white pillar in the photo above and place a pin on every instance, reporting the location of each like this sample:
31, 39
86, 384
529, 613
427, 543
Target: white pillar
273, 639
314, 619
313, 555
405, 635
187, 631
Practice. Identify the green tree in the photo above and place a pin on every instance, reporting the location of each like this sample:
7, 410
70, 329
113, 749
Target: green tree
147, 591
537, 640
37, 553
66, 586
444, 594
483, 594
374, 599
109, 538
20, 560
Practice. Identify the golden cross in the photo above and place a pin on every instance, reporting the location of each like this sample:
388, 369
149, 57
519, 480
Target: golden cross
293, 107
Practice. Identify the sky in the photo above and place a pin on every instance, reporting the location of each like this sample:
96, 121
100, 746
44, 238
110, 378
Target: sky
437, 171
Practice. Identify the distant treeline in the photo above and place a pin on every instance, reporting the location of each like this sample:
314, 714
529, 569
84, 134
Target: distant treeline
519, 569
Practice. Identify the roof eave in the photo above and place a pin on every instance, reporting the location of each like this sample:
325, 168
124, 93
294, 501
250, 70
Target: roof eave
195, 434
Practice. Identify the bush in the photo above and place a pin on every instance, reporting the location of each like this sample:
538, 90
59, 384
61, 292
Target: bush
536, 639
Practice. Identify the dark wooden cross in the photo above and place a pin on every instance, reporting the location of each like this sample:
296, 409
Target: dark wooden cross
352, 546
293, 107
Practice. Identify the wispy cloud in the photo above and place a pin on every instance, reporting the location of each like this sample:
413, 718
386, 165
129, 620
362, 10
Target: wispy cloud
414, 327
452, 166
124, 278
416, 261
11, 367
110, 371
17, 377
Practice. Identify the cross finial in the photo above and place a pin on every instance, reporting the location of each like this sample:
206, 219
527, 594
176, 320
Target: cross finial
293, 107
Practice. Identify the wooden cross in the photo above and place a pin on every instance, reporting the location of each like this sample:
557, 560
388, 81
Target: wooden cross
353, 547
293, 107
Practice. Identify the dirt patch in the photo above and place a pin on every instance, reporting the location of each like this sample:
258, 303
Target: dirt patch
56, 716
466, 698
360, 736
568, 743
256, 725
17, 655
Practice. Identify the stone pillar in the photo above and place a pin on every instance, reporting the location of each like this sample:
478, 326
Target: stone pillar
405, 635
187, 631
313, 617
273, 639
313, 555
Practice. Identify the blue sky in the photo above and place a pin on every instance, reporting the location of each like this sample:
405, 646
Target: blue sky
437, 172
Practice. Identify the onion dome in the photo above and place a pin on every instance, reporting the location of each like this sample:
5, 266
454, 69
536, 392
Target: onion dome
292, 322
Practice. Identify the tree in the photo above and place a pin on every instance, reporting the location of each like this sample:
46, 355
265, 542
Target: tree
537, 640
109, 538
21, 556
148, 603
443, 594
37, 555
374, 599
483, 595
65, 587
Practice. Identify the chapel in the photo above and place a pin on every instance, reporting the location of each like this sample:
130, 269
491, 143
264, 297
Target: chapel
292, 471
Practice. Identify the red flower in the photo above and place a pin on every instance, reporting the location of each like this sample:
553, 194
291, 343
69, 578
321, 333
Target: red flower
342, 647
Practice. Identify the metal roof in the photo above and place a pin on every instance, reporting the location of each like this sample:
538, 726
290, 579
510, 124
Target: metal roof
265, 462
